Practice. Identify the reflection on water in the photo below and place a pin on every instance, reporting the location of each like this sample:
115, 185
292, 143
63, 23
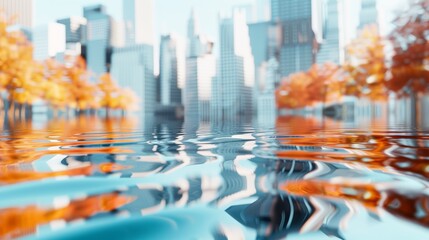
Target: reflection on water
300, 178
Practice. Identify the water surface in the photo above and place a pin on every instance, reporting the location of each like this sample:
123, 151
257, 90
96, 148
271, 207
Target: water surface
134, 178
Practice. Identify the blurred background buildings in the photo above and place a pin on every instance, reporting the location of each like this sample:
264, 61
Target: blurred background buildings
259, 44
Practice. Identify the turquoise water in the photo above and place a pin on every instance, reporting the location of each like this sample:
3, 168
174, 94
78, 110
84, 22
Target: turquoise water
133, 178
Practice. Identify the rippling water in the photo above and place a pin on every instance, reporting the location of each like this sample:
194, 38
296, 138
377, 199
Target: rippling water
132, 178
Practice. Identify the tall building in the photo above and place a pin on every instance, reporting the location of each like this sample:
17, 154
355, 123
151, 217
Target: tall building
132, 67
138, 17
172, 70
20, 10
97, 42
132, 64
200, 71
264, 39
49, 41
297, 51
330, 47
233, 87
368, 13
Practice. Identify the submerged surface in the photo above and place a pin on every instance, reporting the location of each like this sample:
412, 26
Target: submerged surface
299, 178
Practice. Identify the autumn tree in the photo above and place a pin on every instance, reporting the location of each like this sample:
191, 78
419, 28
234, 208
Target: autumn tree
19, 75
366, 64
85, 93
292, 92
410, 62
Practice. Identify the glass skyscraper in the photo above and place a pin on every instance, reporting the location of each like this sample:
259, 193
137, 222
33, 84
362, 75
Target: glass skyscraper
97, 42
297, 52
200, 71
232, 95
133, 65
172, 69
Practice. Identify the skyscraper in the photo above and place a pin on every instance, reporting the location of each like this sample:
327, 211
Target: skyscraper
132, 65
297, 52
138, 17
172, 69
20, 10
329, 50
200, 71
49, 41
97, 42
264, 39
232, 89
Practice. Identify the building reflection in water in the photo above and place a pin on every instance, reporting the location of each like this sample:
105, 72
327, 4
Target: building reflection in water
236, 169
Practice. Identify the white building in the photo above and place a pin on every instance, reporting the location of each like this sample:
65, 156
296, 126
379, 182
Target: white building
200, 71
172, 69
232, 89
49, 41
138, 17
20, 10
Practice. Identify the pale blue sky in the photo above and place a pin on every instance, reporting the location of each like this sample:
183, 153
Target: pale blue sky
170, 15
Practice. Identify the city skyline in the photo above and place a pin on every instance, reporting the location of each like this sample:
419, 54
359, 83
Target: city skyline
255, 49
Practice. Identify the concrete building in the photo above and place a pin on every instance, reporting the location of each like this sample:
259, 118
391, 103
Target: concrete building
234, 86
98, 34
172, 69
49, 41
20, 10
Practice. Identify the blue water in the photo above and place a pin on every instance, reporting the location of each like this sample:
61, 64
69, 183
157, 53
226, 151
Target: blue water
291, 177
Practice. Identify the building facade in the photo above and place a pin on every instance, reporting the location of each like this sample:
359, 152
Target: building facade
133, 57
200, 71
132, 67
21, 11
97, 43
233, 88
330, 47
138, 18
75, 29
297, 51
172, 70
49, 41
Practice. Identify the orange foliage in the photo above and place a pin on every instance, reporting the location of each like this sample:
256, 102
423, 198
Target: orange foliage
305, 88
62, 86
366, 64
410, 63
19, 222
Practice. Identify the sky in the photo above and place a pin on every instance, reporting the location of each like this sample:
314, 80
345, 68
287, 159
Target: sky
170, 15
